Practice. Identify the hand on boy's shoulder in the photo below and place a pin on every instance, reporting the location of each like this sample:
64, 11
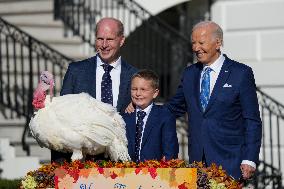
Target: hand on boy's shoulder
130, 108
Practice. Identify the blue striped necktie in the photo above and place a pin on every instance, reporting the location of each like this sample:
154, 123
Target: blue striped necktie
205, 88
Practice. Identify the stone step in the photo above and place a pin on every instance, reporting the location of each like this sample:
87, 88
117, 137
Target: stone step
77, 52
39, 60
44, 28
9, 82
72, 49
15, 167
54, 36
6, 150
46, 32
24, 7
35, 150
29, 18
51, 24
12, 130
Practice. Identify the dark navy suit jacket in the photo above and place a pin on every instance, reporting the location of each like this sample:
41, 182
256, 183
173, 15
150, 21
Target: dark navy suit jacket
81, 77
159, 138
230, 129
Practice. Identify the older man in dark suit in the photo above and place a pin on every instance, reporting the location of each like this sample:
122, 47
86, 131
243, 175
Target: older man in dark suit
105, 76
219, 95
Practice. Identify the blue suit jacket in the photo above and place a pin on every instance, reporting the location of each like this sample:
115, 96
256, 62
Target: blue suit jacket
230, 129
81, 77
159, 138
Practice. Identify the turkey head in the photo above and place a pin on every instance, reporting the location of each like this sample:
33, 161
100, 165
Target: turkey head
46, 82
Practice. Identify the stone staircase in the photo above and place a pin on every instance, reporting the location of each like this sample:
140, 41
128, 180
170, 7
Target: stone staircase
14, 161
13, 130
13, 166
36, 18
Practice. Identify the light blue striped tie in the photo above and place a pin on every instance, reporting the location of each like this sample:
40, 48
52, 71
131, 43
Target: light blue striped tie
205, 88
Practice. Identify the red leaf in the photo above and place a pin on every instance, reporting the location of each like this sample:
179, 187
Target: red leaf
113, 175
56, 182
74, 174
137, 171
182, 186
153, 172
101, 170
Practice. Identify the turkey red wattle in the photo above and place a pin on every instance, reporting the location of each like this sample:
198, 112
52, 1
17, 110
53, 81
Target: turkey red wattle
46, 82
38, 99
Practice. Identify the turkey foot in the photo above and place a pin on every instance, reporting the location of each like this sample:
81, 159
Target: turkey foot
77, 155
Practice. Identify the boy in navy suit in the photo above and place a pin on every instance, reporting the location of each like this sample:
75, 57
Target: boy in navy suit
150, 129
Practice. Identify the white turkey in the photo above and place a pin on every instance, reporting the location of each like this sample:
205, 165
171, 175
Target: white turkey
77, 123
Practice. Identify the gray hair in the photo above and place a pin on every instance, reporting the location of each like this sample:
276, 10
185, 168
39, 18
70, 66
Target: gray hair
217, 31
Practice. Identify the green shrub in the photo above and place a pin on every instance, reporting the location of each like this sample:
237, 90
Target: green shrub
9, 184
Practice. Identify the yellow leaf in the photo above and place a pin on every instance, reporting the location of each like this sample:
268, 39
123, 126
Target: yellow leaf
164, 173
186, 175
173, 184
144, 171
129, 170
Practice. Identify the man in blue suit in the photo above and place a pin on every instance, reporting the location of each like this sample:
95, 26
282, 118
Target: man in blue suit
150, 129
105, 76
219, 95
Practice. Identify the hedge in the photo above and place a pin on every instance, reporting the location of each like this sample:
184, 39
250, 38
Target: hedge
9, 184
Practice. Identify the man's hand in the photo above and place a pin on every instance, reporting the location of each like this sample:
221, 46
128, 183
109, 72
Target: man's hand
247, 171
130, 108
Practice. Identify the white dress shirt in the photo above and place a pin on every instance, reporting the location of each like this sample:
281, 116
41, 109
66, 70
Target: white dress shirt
216, 68
147, 111
115, 78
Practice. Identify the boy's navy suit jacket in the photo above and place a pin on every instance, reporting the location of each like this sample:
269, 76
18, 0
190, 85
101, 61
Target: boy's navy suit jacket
159, 138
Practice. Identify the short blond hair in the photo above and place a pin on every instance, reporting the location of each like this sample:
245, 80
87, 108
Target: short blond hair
148, 75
